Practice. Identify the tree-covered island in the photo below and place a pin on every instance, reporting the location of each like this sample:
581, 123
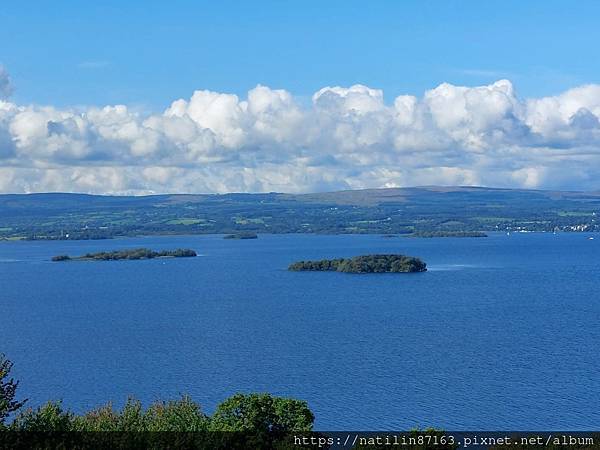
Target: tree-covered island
437, 234
130, 254
455, 234
364, 264
242, 235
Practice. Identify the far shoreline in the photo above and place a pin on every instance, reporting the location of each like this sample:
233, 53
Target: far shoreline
383, 236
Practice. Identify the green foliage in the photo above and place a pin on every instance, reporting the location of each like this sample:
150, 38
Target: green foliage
262, 412
175, 415
260, 421
178, 415
364, 264
322, 265
104, 418
243, 421
382, 264
8, 390
132, 416
49, 417
131, 427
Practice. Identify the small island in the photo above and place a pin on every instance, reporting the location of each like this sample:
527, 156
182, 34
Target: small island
131, 254
364, 264
243, 235
457, 234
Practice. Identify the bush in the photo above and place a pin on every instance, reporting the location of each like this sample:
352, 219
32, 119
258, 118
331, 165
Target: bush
50, 417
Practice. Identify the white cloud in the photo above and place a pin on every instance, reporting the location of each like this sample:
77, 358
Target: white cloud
347, 138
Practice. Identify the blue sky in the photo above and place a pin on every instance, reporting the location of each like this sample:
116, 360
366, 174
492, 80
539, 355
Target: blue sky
144, 97
148, 53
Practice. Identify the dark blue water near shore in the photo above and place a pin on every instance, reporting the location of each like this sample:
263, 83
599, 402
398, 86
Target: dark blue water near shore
501, 333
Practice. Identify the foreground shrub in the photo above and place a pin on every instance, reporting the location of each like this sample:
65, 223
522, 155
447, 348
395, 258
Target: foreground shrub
50, 417
242, 421
8, 391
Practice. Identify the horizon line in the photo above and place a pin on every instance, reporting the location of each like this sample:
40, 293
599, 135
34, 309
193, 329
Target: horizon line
424, 187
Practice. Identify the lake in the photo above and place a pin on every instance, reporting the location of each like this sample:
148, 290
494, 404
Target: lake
501, 332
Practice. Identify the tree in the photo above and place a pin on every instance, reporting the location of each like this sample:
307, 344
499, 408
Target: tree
262, 412
260, 421
50, 417
8, 389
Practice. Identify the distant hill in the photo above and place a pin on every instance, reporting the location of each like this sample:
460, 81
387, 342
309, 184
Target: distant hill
396, 210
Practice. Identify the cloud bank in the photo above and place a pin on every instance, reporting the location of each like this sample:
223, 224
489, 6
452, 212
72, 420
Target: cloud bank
346, 138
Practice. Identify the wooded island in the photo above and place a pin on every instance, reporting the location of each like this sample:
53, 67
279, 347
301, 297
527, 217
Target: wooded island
243, 235
364, 264
136, 253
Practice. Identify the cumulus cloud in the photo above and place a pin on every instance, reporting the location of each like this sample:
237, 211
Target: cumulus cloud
348, 137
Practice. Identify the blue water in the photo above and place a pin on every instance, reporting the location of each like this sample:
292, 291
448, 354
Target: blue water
500, 333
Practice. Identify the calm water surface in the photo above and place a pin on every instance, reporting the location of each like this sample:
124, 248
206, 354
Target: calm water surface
501, 333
